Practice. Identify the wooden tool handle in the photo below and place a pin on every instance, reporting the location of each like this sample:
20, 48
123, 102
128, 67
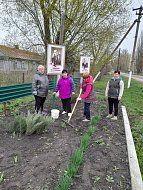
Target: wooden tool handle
75, 105
79, 97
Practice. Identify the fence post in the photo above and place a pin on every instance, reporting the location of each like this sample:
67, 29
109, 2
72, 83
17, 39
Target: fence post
23, 77
4, 108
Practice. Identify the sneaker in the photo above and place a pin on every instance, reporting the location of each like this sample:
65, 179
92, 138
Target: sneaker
43, 113
114, 118
69, 114
86, 120
109, 116
64, 112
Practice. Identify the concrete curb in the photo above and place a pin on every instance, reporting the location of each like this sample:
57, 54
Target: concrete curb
136, 178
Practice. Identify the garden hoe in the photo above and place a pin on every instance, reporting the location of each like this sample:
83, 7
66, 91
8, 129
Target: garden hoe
67, 122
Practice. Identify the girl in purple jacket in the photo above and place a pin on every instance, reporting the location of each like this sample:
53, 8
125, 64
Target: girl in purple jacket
66, 88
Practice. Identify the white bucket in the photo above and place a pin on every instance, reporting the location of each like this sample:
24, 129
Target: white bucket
55, 113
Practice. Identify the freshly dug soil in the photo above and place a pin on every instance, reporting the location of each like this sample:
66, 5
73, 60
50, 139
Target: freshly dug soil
36, 162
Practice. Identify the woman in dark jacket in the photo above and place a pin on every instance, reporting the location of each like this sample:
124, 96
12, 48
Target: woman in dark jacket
40, 87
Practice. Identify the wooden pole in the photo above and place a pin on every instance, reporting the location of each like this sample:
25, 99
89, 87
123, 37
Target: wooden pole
132, 63
23, 77
4, 108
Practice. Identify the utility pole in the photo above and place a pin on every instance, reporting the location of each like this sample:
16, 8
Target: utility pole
118, 45
132, 63
124, 37
118, 60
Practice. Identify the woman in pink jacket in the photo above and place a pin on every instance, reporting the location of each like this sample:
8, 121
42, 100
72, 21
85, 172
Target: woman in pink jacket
87, 94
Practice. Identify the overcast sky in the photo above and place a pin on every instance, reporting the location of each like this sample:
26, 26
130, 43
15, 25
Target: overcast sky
127, 43
129, 40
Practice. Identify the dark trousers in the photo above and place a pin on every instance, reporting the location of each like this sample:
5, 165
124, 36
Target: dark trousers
39, 103
87, 110
66, 105
113, 102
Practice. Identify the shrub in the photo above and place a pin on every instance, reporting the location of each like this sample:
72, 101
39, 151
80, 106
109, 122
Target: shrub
18, 125
30, 124
37, 123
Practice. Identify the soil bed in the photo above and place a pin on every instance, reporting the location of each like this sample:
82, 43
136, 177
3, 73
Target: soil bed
42, 159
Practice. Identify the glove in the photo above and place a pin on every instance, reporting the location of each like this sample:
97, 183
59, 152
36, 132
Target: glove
119, 98
35, 92
78, 99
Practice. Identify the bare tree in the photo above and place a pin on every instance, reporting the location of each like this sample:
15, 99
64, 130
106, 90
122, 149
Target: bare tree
122, 61
91, 27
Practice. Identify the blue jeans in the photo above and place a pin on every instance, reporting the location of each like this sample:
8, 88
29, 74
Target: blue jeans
87, 110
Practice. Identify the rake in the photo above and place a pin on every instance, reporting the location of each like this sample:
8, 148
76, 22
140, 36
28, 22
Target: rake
67, 122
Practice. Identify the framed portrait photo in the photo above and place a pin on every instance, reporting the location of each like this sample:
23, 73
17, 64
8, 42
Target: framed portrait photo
55, 59
84, 64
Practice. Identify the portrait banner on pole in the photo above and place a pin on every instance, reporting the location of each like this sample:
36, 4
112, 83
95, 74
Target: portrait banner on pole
55, 59
84, 64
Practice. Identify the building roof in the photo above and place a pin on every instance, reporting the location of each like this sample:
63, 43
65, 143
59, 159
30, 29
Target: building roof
19, 53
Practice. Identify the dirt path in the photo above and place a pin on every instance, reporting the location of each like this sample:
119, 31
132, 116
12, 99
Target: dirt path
135, 77
42, 159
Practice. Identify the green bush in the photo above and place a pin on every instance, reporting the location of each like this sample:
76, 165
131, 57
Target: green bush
18, 125
30, 124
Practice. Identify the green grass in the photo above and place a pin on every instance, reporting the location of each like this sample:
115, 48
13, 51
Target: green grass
133, 100
14, 105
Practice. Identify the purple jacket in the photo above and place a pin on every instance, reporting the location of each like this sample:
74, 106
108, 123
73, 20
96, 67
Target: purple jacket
65, 87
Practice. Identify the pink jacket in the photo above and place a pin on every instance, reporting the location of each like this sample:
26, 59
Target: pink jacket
87, 90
